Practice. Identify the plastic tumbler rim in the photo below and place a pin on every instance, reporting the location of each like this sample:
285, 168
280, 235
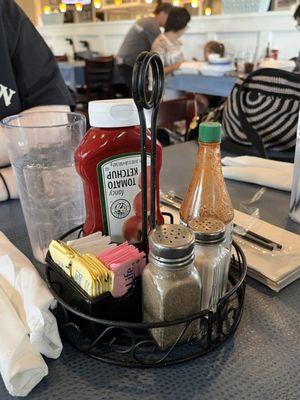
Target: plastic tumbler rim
5, 122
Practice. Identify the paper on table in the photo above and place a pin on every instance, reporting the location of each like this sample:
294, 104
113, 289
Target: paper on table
21, 365
275, 269
286, 65
274, 174
189, 67
30, 297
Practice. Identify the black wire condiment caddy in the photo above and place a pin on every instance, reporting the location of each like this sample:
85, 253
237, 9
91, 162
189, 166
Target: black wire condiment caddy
112, 329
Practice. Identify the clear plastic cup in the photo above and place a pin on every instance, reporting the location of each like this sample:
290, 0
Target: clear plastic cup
240, 61
41, 149
249, 62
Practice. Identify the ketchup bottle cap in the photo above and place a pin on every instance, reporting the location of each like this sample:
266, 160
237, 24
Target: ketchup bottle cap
115, 113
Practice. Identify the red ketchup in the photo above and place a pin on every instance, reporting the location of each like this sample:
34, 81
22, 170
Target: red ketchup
109, 163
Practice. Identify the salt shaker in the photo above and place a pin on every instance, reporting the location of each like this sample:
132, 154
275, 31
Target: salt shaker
171, 284
211, 259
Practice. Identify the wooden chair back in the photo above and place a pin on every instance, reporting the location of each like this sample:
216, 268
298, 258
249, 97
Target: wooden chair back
62, 58
181, 109
99, 78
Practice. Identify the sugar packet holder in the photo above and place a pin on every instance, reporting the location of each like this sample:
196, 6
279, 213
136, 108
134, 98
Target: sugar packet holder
85, 270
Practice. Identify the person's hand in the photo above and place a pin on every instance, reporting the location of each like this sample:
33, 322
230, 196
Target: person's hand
171, 68
176, 66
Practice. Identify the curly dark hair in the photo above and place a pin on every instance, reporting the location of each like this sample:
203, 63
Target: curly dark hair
178, 19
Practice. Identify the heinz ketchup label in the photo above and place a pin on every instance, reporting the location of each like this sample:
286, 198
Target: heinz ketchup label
109, 163
119, 180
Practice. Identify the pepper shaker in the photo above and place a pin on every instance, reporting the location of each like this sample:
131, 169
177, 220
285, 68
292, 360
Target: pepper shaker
171, 284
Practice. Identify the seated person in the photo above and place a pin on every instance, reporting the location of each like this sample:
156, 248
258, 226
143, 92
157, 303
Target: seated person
168, 46
213, 47
264, 112
29, 78
139, 38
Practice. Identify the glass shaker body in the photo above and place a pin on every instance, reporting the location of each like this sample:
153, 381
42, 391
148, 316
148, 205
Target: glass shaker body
212, 259
169, 295
171, 285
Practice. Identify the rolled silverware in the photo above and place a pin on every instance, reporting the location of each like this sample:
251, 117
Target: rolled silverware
254, 240
268, 244
258, 237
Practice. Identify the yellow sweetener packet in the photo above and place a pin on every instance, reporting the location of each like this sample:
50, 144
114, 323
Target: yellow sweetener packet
104, 275
98, 273
62, 254
82, 275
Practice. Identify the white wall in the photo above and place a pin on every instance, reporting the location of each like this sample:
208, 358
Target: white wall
237, 32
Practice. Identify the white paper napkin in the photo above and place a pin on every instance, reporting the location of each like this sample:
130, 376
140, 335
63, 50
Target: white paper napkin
30, 297
189, 67
21, 365
274, 174
287, 65
275, 269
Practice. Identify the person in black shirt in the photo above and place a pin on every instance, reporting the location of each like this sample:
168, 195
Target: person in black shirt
29, 74
140, 38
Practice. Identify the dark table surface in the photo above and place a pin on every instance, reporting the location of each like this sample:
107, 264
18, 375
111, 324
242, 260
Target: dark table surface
261, 362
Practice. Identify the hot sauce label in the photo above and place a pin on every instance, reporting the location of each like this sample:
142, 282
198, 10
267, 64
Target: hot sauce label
120, 195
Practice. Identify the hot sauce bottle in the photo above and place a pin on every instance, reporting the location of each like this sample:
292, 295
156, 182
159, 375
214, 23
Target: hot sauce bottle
109, 163
207, 195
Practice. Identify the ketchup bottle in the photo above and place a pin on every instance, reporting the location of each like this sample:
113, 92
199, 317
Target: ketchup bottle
109, 163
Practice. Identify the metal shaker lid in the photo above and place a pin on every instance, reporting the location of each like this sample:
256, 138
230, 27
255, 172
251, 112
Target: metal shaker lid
171, 242
208, 229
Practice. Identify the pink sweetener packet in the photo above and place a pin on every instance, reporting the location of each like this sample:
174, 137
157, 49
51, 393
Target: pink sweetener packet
124, 256
116, 266
110, 259
138, 258
124, 276
119, 255
120, 246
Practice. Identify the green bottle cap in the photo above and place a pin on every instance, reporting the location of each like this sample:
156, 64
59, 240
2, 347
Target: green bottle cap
210, 132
